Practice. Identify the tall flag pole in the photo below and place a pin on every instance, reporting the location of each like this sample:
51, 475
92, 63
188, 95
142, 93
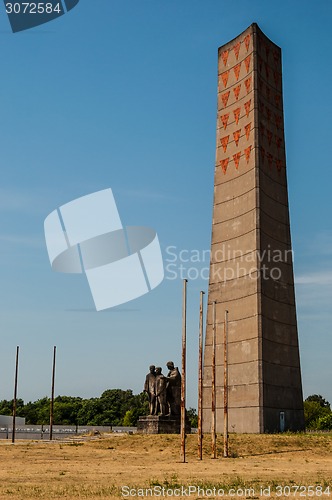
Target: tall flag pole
213, 385
52, 395
200, 380
183, 379
225, 386
15, 395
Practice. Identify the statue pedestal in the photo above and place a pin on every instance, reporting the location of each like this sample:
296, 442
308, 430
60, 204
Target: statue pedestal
152, 424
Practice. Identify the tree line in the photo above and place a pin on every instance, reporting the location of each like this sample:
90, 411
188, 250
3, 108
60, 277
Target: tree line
116, 407
317, 413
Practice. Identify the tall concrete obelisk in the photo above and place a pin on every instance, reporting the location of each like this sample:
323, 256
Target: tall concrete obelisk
251, 269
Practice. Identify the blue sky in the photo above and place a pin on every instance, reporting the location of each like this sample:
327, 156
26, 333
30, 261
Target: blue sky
122, 94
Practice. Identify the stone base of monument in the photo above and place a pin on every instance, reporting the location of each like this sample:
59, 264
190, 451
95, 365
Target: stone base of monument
151, 424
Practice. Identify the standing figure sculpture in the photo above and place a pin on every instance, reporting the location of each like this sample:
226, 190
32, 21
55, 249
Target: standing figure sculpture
173, 389
150, 388
161, 389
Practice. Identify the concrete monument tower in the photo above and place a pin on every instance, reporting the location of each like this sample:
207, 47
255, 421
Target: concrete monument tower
251, 269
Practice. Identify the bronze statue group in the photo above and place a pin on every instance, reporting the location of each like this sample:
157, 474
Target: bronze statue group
164, 393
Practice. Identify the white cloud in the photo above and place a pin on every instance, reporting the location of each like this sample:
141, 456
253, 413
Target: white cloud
317, 278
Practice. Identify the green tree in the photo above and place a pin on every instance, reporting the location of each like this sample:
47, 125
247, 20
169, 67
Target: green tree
66, 410
193, 417
38, 412
110, 408
115, 404
325, 423
140, 406
320, 400
90, 412
6, 407
313, 411
113, 407
129, 420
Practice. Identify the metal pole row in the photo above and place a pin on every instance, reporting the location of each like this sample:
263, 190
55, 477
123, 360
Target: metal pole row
15, 394
200, 379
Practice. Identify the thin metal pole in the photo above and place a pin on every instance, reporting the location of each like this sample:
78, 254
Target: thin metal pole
52, 395
200, 380
183, 379
15, 395
225, 386
213, 384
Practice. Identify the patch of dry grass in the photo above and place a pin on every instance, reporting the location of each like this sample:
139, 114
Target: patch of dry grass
99, 468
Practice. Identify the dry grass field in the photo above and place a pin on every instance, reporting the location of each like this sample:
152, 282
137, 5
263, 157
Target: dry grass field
115, 466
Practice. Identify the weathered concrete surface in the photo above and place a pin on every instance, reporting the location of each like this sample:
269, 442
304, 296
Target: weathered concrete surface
152, 424
251, 270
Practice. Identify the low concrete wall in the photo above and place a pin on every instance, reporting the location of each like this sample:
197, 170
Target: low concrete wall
7, 421
39, 432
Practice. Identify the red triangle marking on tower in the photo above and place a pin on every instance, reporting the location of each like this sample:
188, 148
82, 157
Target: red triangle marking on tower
224, 142
236, 49
279, 165
269, 136
224, 56
247, 106
236, 158
247, 41
237, 70
276, 77
224, 77
236, 91
247, 152
224, 98
247, 83
263, 154
247, 129
236, 136
224, 164
270, 159
237, 113
224, 120
247, 62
